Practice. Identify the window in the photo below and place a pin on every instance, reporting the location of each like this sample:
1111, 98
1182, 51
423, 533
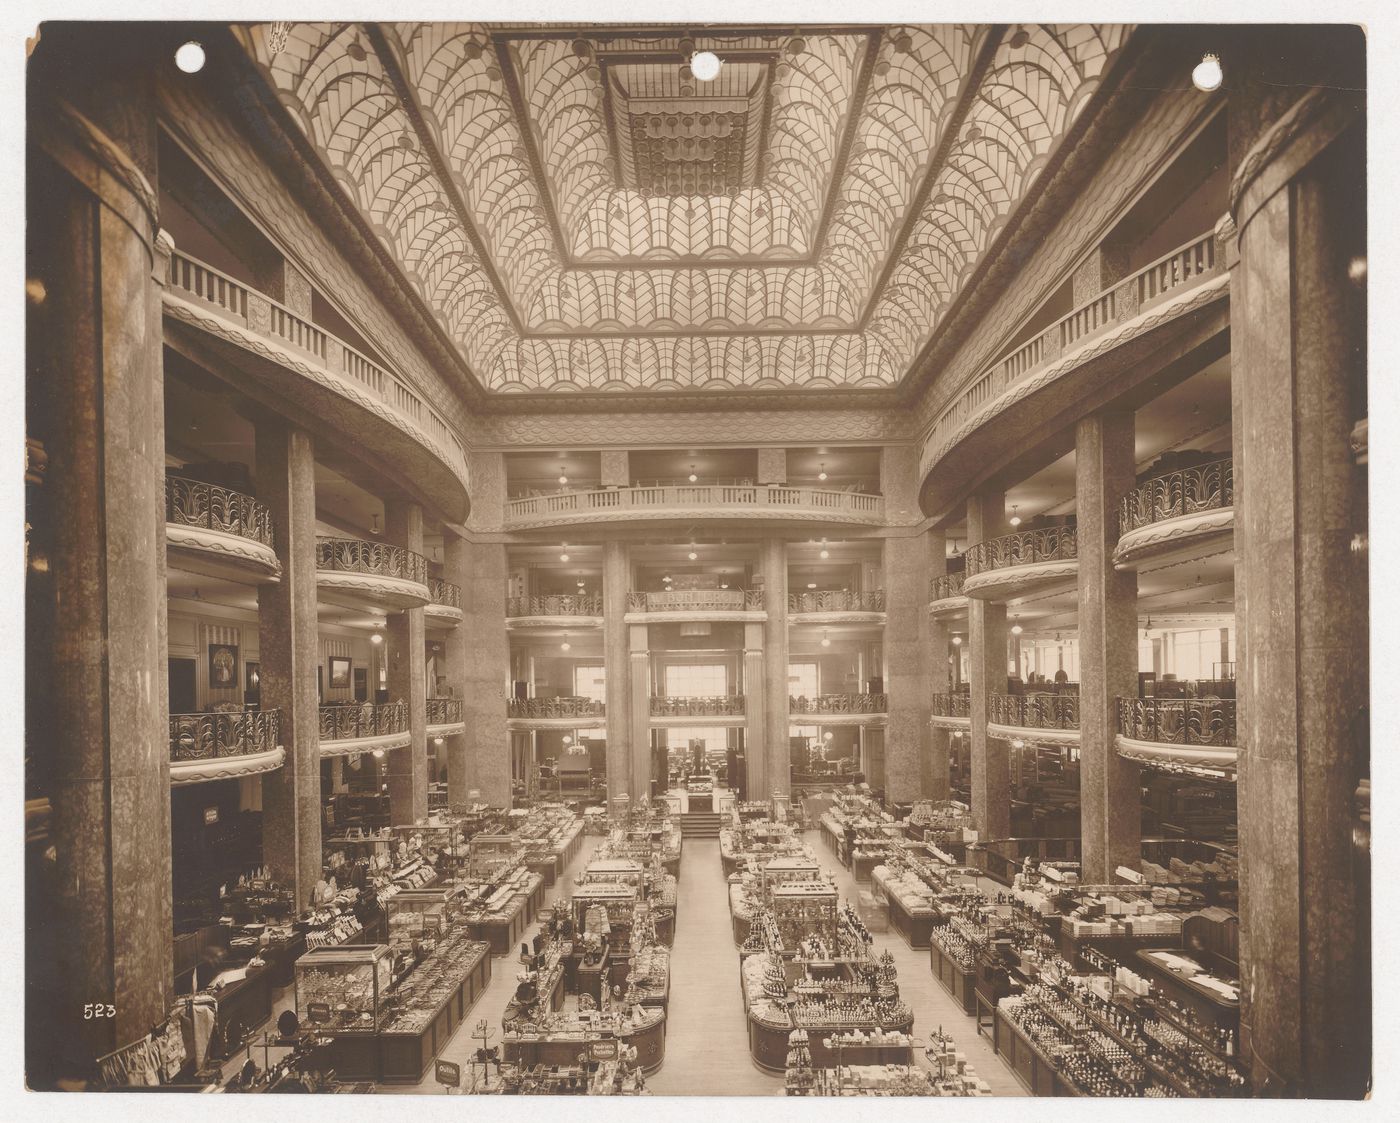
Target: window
804, 680
589, 683
697, 680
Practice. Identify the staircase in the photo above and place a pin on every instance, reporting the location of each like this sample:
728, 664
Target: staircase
700, 824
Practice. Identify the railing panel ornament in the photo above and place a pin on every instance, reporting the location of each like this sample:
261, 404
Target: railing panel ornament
444, 593
563, 604
346, 721
1205, 487
951, 705
545, 708
1178, 721
1035, 711
838, 600
942, 588
210, 507
717, 705
352, 555
696, 600
839, 704
444, 711
1025, 547
210, 735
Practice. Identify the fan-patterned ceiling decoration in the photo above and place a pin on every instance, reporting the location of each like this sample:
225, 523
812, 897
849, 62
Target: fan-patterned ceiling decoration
527, 183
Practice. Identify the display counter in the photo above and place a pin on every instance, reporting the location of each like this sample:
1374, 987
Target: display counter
953, 964
1032, 1066
503, 915
561, 1038
911, 906
428, 1006
740, 912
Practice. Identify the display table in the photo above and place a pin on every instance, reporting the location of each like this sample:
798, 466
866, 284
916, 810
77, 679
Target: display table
243, 1006
1031, 1066
960, 983
912, 917
562, 1046
739, 914
503, 928
410, 1043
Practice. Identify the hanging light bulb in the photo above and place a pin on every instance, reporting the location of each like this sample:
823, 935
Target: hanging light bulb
377, 638
822, 474
957, 641
825, 552
374, 524
566, 646
692, 555
705, 65
579, 584
564, 552
811, 584
826, 640
692, 477
437, 740
1016, 629
563, 478
1015, 519
379, 753
1207, 74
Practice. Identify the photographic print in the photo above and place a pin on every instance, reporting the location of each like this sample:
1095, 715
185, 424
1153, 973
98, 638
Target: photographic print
340, 672
223, 666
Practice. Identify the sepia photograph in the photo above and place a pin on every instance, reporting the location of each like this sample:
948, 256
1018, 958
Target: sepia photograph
730, 557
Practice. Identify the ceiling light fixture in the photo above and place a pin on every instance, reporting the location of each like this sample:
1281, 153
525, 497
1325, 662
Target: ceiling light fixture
565, 646
705, 65
564, 552
376, 639
563, 479
692, 477
189, 57
957, 641
822, 474
437, 740
1015, 519
1015, 629
692, 555
1207, 74
826, 640
825, 552
811, 584
374, 524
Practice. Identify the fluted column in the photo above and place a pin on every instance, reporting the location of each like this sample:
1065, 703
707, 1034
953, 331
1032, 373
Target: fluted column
907, 666
617, 665
487, 668
639, 692
408, 767
777, 758
991, 761
456, 651
96, 722
755, 710
1110, 797
933, 772
1298, 381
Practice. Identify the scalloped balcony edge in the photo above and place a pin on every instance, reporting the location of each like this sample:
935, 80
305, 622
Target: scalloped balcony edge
717, 615
1218, 755
1147, 541
350, 745
745, 512
593, 721
946, 606
513, 623
398, 591
202, 771
838, 719
225, 547
687, 721
948, 721
443, 612
1025, 733
1009, 580
447, 729
840, 617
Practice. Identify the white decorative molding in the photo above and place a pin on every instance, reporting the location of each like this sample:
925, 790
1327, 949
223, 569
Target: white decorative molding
1040, 736
569, 623
184, 772
836, 719
690, 513
686, 721
386, 592
442, 615
1012, 580
1169, 534
941, 721
948, 606
593, 721
447, 729
225, 550
835, 617
352, 745
1208, 756
690, 614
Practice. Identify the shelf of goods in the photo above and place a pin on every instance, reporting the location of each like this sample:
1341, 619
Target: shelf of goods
551, 836
874, 1064
644, 873
499, 910
559, 1038
758, 841
602, 1077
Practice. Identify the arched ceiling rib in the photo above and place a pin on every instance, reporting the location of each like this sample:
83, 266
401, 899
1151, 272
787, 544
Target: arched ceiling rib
581, 214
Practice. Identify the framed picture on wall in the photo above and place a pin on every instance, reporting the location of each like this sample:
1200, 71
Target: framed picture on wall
223, 666
340, 672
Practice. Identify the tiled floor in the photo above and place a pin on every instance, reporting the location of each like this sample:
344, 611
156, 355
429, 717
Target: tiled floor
707, 1049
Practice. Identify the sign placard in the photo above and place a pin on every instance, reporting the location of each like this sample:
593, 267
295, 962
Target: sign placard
318, 1012
604, 1050
1130, 875
211, 816
449, 1073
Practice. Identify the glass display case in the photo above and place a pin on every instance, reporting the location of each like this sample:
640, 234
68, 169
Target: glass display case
617, 899
803, 909
491, 856
623, 871
787, 868
433, 838
420, 915
343, 989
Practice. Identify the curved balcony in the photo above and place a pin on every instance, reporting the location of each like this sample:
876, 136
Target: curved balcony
445, 717
1176, 513
682, 605
444, 607
839, 606
1044, 718
218, 533
1186, 732
1170, 305
360, 574
713, 709
221, 746
267, 340
838, 709
357, 727
946, 596
1005, 567
951, 711
568, 610
688, 502
555, 713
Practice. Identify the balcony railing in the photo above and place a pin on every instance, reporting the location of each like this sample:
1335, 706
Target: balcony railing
241, 733
697, 600
563, 604
347, 721
951, 585
1024, 547
444, 593
1205, 487
192, 278
695, 498
842, 600
951, 705
444, 711
351, 555
715, 705
555, 708
1178, 270
1035, 711
1178, 721
210, 507
839, 704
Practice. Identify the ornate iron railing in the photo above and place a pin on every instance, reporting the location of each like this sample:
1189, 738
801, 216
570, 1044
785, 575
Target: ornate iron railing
697, 600
697, 498
1024, 547
444, 593
1035, 711
950, 585
1178, 721
353, 555
837, 600
554, 708
444, 711
839, 704
713, 705
346, 721
240, 733
951, 705
210, 507
563, 604
1205, 487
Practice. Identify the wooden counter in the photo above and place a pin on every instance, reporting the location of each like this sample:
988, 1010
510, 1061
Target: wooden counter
957, 982
405, 1058
1032, 1067
650, 1042
913, 926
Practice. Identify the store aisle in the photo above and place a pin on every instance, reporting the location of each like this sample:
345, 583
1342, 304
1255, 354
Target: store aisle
933, 1006
707, 1043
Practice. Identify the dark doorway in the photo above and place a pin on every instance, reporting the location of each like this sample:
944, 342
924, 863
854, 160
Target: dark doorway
182, 686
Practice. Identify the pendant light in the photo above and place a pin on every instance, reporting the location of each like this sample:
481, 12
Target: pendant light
566, 646
564, 552
825, 552
1015, 519
821, 475
826, 640
563, 477
692, 477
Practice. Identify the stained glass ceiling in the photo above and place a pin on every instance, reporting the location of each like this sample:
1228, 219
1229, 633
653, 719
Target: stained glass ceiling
582, 213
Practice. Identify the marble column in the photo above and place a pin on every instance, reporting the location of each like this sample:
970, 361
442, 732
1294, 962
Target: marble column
617, 668
934, 765
408, 767
777, 776
1298, 358
99, 736
991, 763
907, 665
456, 652
289, 654
639, 698
487, 665
755, 710
1110, 797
